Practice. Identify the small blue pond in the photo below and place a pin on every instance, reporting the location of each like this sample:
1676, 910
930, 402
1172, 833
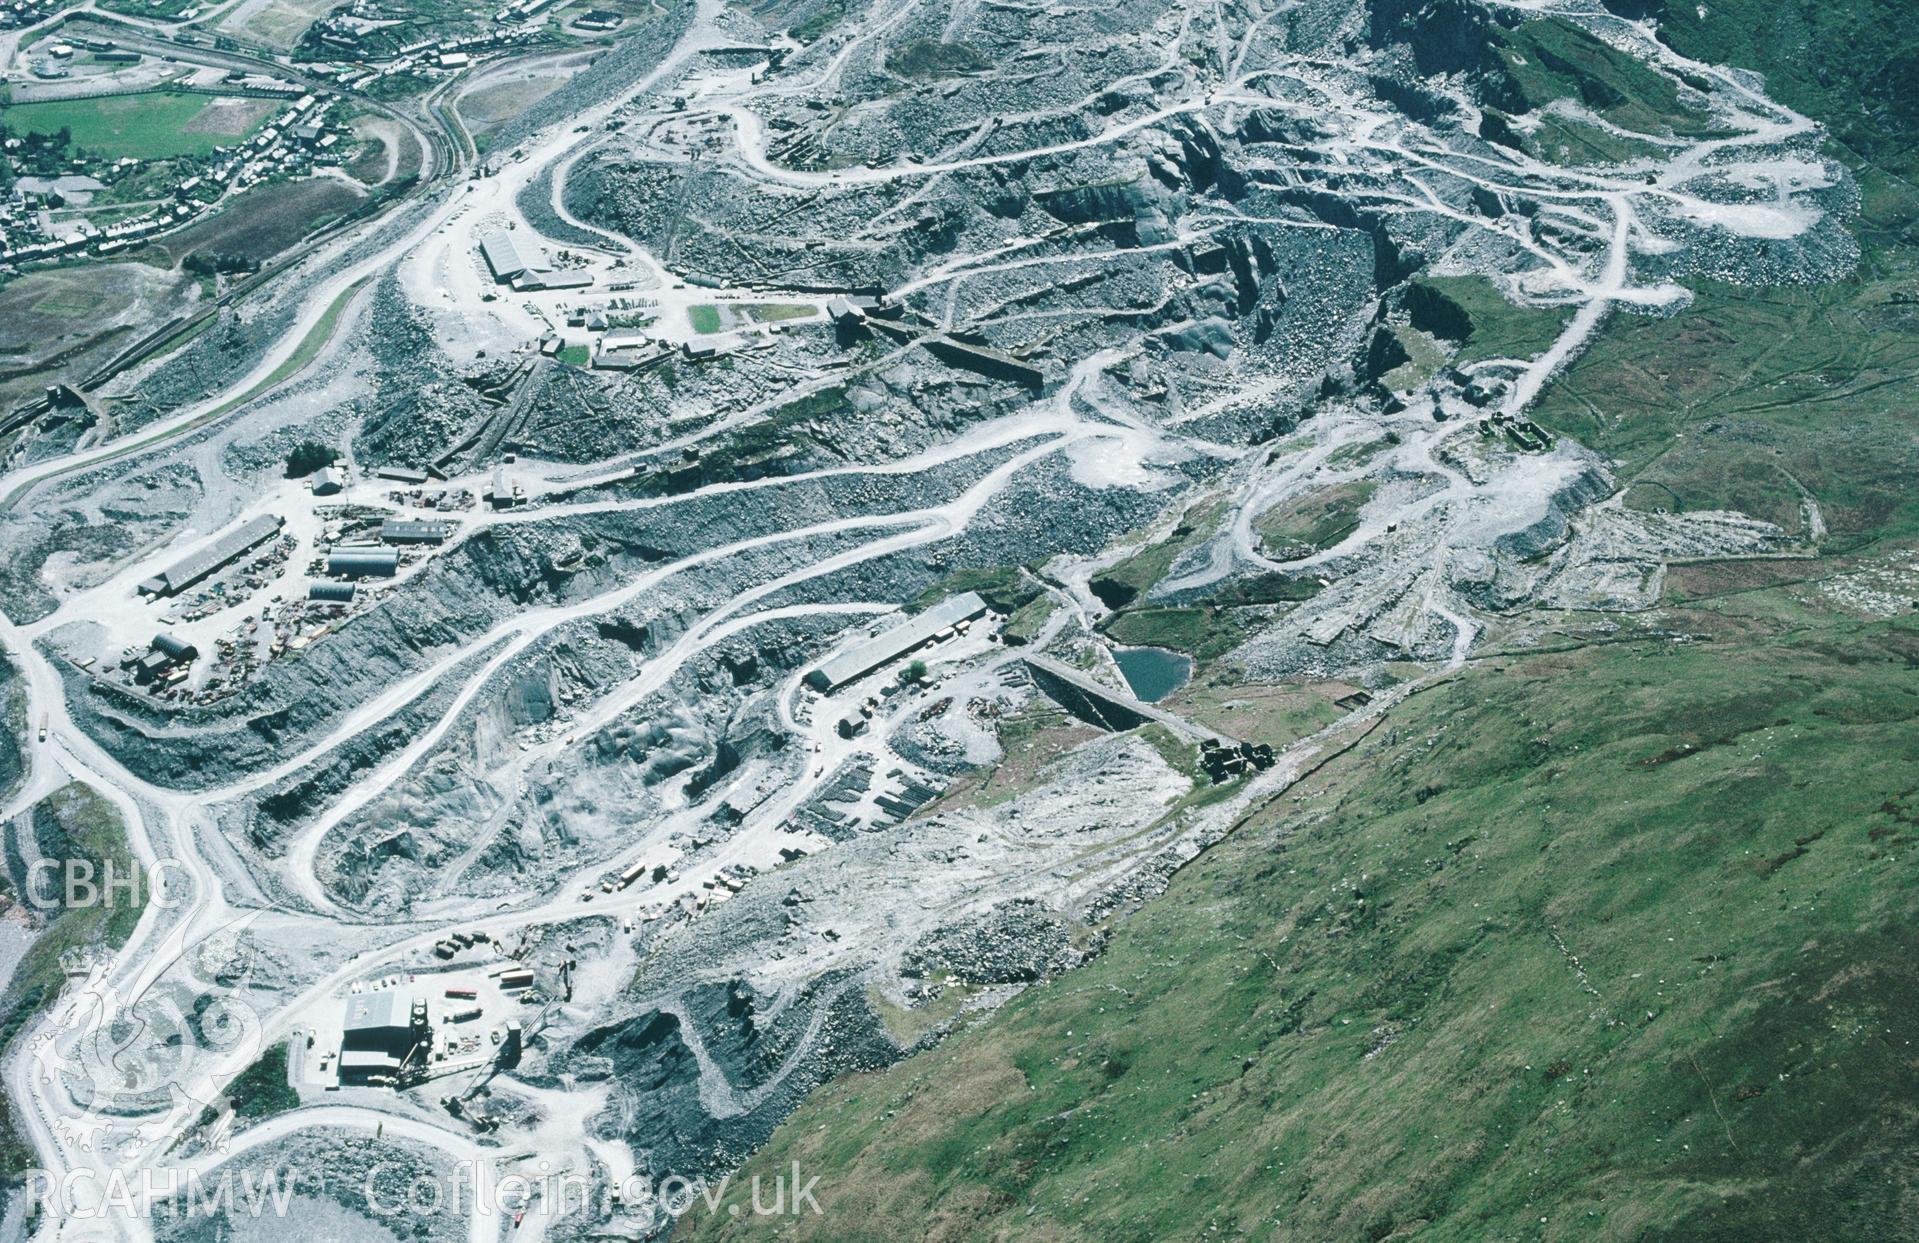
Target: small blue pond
1153, 672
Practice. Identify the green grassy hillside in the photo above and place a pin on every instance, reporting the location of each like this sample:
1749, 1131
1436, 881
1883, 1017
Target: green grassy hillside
1757, 398
1853, 64
1616, 941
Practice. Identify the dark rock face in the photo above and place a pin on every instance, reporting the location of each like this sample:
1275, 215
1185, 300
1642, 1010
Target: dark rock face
758, 1057
1442, 36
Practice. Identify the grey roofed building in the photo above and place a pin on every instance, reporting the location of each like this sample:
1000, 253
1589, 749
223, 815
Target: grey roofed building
192, 569
175, 649
538, 278
502, 495
414, 531
851, 306
882, 649
363, 562
76, 189
401, 474
508, 258
331, 593
373, 1016
328, 480
381, 1023
630, 351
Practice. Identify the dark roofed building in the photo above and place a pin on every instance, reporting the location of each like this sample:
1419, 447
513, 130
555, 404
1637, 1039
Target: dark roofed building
382, 1031
151, 665
175, 649
227, 548
363, 562
381, 1022
367, 1065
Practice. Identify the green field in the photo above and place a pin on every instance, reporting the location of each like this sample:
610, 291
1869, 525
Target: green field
1194, 631
162, 10
1547, 60
309, 348
402, 85
155, 125
1131, 578
775, 312
13, 721
704, 317
1472, 314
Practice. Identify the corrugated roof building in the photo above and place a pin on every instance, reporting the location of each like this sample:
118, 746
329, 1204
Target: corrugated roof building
381, 1031
223, 550
175, 649
863, 658
363, 562
379, 1021
538, 278
508, 259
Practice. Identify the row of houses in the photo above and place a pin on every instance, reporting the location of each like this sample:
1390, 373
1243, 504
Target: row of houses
361, 60
294, 141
